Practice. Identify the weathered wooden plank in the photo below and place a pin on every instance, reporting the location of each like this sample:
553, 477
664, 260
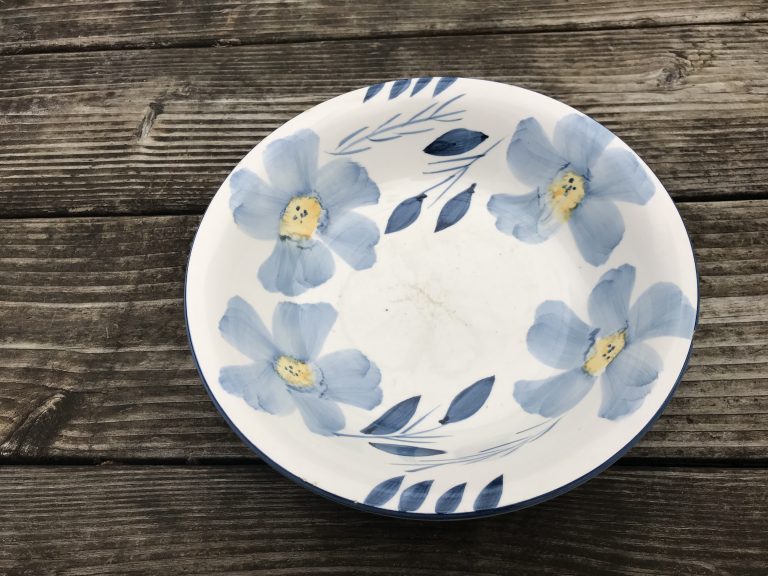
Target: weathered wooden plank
247, 520
94, 361
156, 131
40, 25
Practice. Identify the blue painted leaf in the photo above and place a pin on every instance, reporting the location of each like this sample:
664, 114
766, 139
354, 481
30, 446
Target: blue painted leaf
443, 83
403, 450
420, 84
449, 501
456, 141
455, 209
413, 496
372, 91
468, 401
398, 87
382, 493
394, 418
490, 495
404, 214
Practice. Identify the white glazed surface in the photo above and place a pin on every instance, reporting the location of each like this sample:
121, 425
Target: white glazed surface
439, 311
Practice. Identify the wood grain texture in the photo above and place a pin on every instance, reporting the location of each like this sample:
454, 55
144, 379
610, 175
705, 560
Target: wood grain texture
94, 360
156, 131
40, 25
94, 364
248, 520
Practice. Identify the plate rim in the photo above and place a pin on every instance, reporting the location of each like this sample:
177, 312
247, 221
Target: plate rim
434, 516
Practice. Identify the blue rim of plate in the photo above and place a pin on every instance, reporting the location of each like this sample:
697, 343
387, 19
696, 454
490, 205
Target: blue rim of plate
460, 515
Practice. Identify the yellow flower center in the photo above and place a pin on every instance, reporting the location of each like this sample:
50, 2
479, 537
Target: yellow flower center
604, 352
300, 218
296, 373
565, 193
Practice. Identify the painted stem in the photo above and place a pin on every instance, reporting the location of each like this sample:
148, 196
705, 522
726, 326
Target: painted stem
457, 171
500, 451
389, 131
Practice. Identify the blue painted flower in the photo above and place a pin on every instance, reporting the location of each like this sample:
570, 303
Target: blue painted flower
611, 348
307, 210
576, 182
286, 372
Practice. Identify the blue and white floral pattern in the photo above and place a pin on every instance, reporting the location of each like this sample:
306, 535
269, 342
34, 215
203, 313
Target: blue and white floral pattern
286, 372
576, 182
306, 210
611, 348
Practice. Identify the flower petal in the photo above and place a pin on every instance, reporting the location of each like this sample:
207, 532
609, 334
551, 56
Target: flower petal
598, 228
353, 237
558, 338
300, 330
581, 141
530, 155
521, 217
291, 162
293, 269
609, 300
259, 385
618, 175
270, 393
234, 379
255, 205
662, 310
629, 379
553, 396
242, 328
321, 416
343, 185
351, 378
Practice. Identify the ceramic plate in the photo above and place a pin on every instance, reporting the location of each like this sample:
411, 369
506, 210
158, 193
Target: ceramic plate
441, 298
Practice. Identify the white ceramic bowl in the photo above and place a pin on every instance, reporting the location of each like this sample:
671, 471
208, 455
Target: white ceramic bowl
441, 298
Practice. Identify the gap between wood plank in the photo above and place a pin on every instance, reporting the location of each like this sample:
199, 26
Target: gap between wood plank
626, 462
192, 212
225, 43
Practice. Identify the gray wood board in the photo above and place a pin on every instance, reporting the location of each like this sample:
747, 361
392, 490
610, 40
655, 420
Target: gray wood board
157, 131
95, 361
248, 520
40, 25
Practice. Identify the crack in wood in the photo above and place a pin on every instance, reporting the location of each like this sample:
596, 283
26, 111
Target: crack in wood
150, 116
42, 424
